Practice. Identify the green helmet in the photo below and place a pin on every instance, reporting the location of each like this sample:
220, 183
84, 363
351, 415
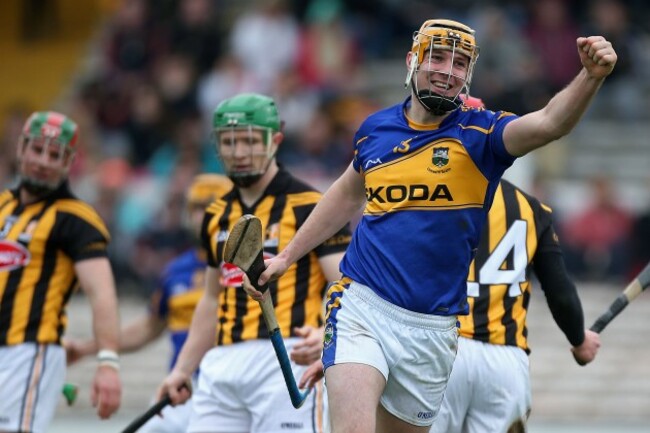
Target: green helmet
247, 109
250, 112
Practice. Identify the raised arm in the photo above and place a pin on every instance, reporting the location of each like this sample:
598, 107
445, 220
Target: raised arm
565, 109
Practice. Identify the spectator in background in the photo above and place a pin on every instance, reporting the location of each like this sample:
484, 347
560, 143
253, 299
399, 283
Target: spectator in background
265, 39
625, 100
131, 42
146, 127
175, 78
597, 239
498, 71
328, 56
551, 33
227, 78
12, 128
195, 32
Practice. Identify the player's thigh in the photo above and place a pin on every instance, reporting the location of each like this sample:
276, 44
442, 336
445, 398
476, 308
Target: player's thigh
459, 392
268, 398
32, 376
421, 361
217, 406
418, 349
241, 388
353, 392
505, 398
389, 423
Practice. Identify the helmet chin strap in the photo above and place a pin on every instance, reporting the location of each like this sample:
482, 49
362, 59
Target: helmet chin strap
437, 104
246, 180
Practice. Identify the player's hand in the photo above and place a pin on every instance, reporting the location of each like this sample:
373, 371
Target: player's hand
251, 290
275, 268
75, 350
178, 386
597, 56
313, 374
106, 392
586, 352
308, 349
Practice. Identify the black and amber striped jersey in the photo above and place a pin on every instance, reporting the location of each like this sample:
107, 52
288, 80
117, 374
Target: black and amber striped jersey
519, 227
298, 294
39, 245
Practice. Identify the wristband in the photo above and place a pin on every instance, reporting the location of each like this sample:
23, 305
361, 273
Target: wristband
108, 358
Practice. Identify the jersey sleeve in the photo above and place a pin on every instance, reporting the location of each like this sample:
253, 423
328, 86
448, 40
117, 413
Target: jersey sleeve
502, 118
548, 239
208, 241
82, 234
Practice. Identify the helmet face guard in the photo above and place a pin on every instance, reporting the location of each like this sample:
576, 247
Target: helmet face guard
252, 144
47, 145
244, 129
437, 39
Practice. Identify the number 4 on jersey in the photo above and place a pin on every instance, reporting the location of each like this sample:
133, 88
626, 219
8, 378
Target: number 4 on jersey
491, 272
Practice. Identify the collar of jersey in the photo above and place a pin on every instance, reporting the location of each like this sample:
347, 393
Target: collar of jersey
419, 126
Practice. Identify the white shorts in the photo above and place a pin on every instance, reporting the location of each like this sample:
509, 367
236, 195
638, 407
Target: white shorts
488, 390
241, 389
31, 377
413, 351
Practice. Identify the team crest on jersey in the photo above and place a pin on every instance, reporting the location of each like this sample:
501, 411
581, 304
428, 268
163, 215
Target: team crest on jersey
13, 255
440, 156
329, 335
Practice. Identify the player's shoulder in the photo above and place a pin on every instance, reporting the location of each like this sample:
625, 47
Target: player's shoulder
185, 260
75, 208
512, 190
380, 117
217, 206
6, 196
301, 193
481, 118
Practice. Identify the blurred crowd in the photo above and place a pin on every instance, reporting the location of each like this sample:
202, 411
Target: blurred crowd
158, 68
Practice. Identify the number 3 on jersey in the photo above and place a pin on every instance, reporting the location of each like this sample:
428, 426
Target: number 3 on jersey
491, 272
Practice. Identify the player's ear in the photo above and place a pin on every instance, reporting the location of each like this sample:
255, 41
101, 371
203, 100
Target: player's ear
409, 58
277, 138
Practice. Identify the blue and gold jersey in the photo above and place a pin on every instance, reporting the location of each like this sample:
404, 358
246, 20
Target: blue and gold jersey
428, 191
179, 292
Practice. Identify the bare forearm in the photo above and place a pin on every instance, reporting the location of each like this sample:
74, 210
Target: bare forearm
140, 332
566, 108
96, 279
106, 322
201, 336
335, 209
